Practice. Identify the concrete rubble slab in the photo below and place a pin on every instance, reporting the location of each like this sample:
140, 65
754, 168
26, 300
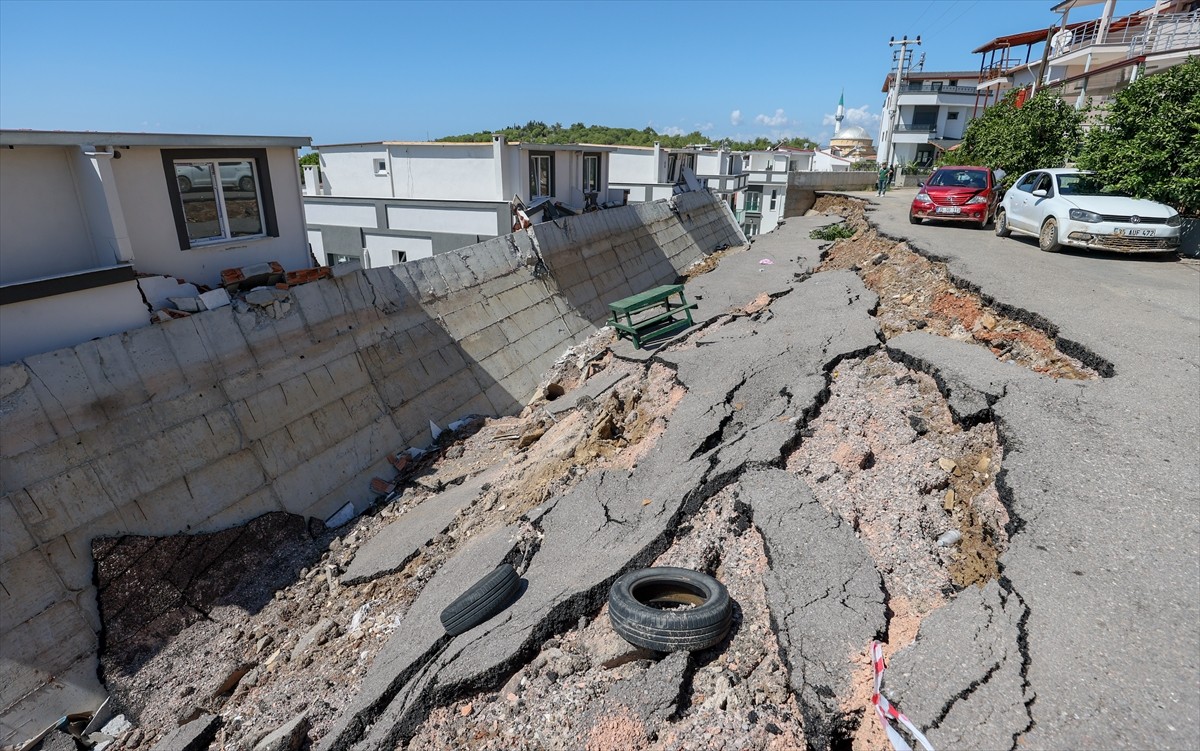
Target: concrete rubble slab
825, 594
591, 390
193, 736
395, 545
959, 706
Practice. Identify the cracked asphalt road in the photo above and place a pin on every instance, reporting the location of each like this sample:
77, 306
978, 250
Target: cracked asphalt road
1088, 639
1094, 637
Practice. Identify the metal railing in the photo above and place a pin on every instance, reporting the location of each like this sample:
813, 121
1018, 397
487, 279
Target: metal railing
910, 128
936, 88
1140, 35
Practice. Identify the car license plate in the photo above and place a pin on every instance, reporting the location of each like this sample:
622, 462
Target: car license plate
948, 210
1124, 232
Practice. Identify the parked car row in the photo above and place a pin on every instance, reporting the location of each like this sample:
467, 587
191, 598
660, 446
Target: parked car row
1060, 207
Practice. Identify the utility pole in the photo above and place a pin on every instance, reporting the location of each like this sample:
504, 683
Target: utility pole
900, 57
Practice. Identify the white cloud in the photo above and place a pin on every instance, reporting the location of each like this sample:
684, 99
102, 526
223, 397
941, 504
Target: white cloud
772, 120
704, 126
857, 116
672, 131
735, 117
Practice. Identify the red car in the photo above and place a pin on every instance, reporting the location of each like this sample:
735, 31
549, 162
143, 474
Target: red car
957, 194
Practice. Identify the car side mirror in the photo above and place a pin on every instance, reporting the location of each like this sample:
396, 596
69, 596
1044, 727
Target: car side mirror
1040, 193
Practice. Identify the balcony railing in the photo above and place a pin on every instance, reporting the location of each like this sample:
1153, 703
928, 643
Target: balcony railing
936, 88
910, 128
1140, 35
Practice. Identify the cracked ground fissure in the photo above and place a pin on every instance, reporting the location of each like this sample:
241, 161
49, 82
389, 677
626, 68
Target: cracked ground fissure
762, 428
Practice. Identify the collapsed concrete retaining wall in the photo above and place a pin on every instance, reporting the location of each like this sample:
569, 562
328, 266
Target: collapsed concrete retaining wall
209, 421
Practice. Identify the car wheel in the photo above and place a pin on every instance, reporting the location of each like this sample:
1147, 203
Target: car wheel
1002, 229
1048, 239
640, 602
912, 218
185, 184
246, 183
482, 600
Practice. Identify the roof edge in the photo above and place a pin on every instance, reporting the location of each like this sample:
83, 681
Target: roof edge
22, 137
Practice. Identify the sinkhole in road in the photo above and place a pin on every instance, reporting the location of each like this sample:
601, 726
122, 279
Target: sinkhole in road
919, 294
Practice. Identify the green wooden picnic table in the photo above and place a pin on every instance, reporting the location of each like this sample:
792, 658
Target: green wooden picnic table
661, 323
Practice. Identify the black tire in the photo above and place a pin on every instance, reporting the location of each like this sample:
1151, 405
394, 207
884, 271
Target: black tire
912, 218
482, 600
185, 185
1048, 237
635, 609
1002, 229
246, 184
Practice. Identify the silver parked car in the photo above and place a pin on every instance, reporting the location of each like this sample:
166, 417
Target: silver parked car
1070, 207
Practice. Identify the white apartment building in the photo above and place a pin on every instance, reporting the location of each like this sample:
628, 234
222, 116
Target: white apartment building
387, 202
95, 227
930, 114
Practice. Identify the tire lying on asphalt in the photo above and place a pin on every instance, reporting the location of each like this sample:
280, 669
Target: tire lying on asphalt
482, 600
669, 609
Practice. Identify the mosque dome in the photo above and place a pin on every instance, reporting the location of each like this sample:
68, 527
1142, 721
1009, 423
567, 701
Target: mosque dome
852, 133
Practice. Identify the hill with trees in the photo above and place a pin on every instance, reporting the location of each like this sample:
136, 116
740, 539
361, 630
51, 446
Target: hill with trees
536, 131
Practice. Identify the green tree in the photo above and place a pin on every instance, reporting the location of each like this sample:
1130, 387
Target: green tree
1043, 132
311, 157
1149, 142
536, 131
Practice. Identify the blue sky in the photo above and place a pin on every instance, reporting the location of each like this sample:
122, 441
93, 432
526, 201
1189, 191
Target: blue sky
353, 71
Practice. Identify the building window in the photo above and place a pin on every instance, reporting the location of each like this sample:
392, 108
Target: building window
772, 207
219, 196
672, 162
754, 201
399, 257
381, 167
951, 115
591, 173
541, 174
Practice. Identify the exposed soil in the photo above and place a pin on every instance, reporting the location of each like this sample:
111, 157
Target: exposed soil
918, 294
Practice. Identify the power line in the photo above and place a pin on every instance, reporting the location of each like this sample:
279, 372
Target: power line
929, 5
943, 15
952, 21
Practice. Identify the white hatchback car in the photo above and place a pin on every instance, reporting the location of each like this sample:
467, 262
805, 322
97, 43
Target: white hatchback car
1070, 207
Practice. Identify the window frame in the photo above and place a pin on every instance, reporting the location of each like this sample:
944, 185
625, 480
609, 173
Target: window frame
746, 203
587, 155
774, 197
534, 156
380, 166
266, 197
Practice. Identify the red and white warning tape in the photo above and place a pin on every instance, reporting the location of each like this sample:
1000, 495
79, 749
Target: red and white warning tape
885, 712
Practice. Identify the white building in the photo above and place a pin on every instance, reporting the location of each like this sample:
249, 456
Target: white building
933, 111
650, 173
90, 222
1088, 61
391, 201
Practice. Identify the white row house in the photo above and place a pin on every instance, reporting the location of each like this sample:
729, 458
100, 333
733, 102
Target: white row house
650, 173
387, 202
95, 228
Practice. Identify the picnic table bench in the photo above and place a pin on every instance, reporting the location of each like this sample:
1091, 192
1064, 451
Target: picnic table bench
668, 315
